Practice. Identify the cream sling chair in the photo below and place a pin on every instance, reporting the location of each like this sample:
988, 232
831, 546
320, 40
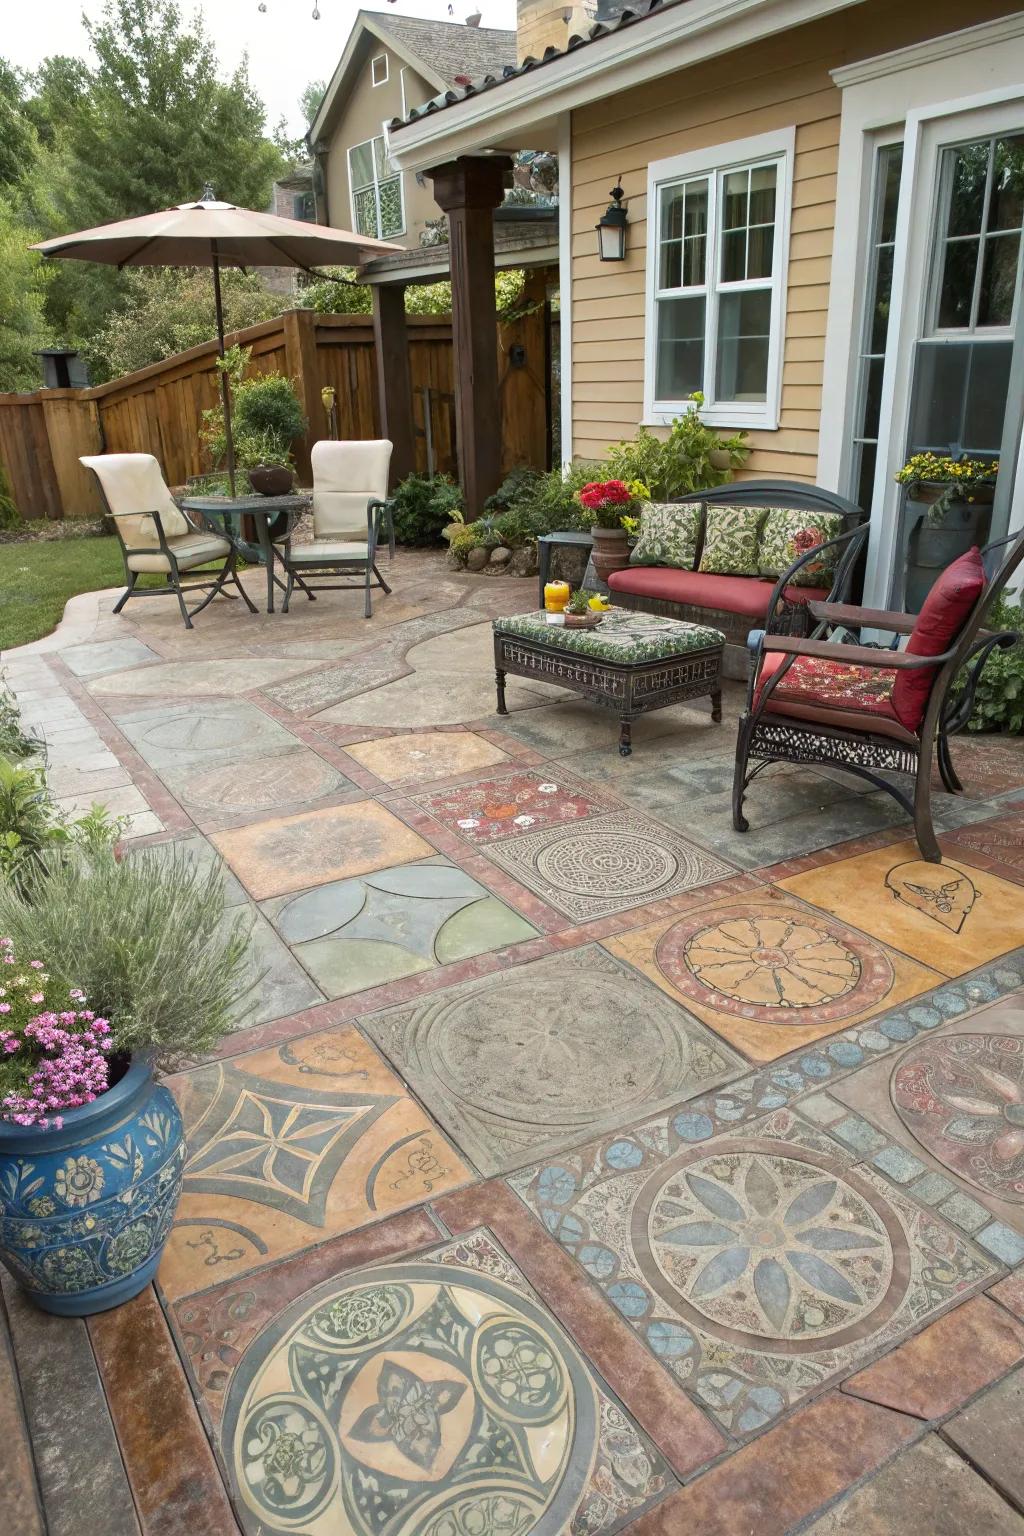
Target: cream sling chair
156, 536
351, 513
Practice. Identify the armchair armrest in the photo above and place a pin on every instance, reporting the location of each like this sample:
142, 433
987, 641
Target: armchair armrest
162, 547
859, 655
876, 618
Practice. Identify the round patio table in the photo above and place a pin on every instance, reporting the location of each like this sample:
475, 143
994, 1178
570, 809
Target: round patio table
271, 517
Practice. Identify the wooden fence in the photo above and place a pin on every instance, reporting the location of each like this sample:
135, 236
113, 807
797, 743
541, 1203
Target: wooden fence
159, 409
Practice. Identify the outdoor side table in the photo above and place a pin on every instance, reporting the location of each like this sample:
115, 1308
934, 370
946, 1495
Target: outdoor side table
550, 541
630, 663
264, 512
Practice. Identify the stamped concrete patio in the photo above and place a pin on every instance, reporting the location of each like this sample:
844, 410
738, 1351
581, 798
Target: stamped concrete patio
581, 1166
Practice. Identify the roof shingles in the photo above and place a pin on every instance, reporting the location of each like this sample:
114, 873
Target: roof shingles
450, 48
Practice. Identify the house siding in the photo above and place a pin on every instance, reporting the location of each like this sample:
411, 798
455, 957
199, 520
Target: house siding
781, 83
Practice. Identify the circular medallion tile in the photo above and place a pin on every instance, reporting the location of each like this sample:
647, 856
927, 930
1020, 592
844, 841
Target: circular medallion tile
775, 964
419, 1399
605, 861
769, 1248
962, 1097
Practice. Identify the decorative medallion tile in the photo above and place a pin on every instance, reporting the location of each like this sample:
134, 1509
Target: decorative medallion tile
202, 732
542, 1055
771, 975
291, 1145
955, 1099
355, 934
506, 805
606, 864
275, 857
421, 756
757, 1265
434, 1396
951, 916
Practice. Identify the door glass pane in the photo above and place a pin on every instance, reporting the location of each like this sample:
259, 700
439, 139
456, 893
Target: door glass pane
969, 174
889, 172
879, 318
998, 280
744, 322
864, 473
956, 294
873, 396
360, 158
680, 364
888, 169
1006, 199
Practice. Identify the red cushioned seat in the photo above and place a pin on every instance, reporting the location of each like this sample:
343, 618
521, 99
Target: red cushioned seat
747, 596
832, 692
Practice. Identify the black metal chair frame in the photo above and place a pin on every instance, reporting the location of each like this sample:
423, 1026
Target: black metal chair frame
379, 514
173, 578
775, 737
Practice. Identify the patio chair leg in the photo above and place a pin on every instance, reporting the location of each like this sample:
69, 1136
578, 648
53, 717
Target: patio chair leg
244, 594
947, 772
288, 591
181, 604
923, 828
383, 583
126, 594
368, 606
739, 782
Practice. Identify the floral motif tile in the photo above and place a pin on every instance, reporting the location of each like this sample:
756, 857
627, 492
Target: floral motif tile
505, 805
354, 934
954, 1099
757, 1265
418, 757
951, 916
542, 1055
771, 975
289, 1146
291, 852
606, 864
432, 1396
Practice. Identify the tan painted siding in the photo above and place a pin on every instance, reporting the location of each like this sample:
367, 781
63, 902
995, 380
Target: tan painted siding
781, 83
369, 106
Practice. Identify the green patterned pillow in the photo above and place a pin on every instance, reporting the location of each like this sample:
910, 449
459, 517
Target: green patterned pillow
789, 533
731, 540
668, 535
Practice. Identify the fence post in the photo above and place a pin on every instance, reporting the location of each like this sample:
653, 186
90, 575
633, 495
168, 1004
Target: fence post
300, 364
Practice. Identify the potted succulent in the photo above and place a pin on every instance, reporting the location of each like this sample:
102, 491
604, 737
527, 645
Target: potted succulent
106, 969
580, 612
957, 493
609, 502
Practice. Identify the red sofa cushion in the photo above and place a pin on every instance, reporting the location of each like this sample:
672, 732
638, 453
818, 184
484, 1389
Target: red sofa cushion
826, 684
744, 595
944, 614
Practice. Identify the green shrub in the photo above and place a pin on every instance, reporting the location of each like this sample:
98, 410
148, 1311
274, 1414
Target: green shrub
999, 697
15, 742
517, 487
146, 939
32, 826
692, 458
423, 507
266, 416
8, 510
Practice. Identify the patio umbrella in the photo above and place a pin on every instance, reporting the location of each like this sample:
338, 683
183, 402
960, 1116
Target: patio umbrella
209, 233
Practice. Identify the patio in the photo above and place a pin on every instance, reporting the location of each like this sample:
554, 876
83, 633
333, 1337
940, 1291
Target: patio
680, 1172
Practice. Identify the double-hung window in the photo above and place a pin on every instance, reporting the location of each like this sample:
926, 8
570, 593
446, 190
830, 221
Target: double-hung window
378, 207
718, 233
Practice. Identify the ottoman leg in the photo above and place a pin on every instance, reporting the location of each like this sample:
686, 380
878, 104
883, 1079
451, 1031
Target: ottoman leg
499, 678
716, 706
626, 738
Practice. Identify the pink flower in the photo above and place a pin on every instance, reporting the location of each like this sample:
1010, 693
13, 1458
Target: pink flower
5, 1007
37, 997
36, 965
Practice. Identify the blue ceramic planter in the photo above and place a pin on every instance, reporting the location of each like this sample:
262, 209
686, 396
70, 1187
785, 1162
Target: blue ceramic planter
85, 1211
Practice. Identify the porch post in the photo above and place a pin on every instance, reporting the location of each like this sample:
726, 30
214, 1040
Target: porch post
394, 377
468, 190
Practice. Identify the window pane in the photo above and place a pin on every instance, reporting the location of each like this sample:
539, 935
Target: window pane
865, 480
883, 301
958, 399
684, 222
890, 169
680, 367
366, 212
734, 199
762, 194
873, 396
760, 250
744, 321
734, 256
969, 174
380, 159
957, 291
696, 209
390, 207
670, 273
1006, 203
360, 159
998, 280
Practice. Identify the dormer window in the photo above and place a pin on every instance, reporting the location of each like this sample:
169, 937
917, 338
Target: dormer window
379, 69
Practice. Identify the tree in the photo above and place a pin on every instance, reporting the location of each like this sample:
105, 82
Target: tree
309, 101
169, 309
17, 139
22, 292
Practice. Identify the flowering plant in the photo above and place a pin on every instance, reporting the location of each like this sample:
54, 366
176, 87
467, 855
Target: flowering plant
52, 1057
610, 501
945, 470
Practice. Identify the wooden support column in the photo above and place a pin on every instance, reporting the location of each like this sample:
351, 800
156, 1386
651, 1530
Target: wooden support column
300, 364
468, 190
394, 377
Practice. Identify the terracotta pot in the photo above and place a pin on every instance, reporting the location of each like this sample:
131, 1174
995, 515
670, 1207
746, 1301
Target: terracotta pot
271, 480
611, 551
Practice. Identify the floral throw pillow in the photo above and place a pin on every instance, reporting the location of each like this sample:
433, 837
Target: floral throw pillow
668, 535
731, 540
789, 533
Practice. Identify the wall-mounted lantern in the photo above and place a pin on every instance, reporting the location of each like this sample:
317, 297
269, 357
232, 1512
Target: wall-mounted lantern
611, 229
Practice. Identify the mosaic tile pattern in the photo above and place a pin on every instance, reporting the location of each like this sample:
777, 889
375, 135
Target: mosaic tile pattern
507, 805
771, 974
430, 1397
606, 864
355, 934
756, 1266
542, 1055
290, 1145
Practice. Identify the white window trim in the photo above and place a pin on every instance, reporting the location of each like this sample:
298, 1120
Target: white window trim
395, 234
711, 162
402, 91
373, 70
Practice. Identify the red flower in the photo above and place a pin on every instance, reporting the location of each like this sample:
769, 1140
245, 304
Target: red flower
602, 493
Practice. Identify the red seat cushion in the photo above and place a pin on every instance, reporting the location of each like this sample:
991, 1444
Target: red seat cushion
945, 612
744, 595
819, 683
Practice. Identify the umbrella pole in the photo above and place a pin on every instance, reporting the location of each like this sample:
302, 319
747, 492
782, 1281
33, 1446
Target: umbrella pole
225, 389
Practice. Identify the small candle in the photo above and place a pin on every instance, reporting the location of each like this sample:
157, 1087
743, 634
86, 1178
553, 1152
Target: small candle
556, 596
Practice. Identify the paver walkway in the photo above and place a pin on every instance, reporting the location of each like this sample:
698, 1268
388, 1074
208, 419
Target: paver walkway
581, 1166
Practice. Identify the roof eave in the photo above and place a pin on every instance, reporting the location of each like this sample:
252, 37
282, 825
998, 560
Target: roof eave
661, 43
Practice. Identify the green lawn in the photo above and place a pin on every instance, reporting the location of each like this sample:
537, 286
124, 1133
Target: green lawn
36, 581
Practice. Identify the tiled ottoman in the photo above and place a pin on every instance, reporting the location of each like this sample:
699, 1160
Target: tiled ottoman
629, 663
